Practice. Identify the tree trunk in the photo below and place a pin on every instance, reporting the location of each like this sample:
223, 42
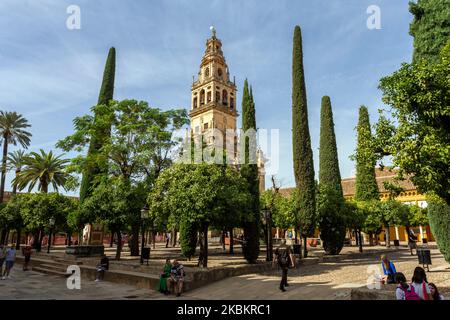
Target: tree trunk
111, 241
14, 189
223, 239
296, 235
134, 243
205, 247
231, 241
39, 241
3, 236
154, 239
44, 187
360, 241
119, 245
35, 240
3, 177
174, 237
370, 238
203, 241
305, 249
386, 233
18, 239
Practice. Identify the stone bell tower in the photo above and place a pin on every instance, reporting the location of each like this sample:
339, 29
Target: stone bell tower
213, 96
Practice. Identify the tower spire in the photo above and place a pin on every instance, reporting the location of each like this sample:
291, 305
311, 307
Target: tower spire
213, 31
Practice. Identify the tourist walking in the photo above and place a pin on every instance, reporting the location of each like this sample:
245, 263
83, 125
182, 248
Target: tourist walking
420, 284
2, 257
162, 286
102, 267
26, 251
167, 239
9, 261
388, 269
404, 291
284, 258
412, 239
176, 279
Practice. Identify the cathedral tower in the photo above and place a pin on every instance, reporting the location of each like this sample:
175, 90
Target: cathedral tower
213, 95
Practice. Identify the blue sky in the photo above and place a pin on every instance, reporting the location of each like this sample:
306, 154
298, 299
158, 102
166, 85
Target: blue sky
52, 74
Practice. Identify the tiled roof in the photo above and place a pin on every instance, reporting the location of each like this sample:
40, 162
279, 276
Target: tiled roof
348, 184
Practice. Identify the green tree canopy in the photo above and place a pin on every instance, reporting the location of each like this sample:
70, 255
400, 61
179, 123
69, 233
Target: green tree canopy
430, 27
419, 96
200, 195
43, 169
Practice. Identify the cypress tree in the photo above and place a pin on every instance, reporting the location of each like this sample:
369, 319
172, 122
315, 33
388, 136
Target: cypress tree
94, 166
302, 152
330, 198
430, 28
366, 184
249, 171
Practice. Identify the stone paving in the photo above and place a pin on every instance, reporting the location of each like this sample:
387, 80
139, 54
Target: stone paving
332, 280
327, 280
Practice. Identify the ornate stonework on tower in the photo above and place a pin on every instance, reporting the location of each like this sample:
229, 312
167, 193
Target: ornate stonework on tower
213, 104
213, 95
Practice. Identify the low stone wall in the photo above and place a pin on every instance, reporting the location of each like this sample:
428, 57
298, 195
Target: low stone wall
386, 292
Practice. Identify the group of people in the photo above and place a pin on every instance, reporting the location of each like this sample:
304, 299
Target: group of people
418, 289
171, 279
8, 258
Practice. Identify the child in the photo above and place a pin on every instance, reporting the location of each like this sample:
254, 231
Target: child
420, 284
404, 291
388, 269
435, 293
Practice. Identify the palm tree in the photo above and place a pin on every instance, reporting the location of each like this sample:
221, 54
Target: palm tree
12, 130
15, 162
45, 169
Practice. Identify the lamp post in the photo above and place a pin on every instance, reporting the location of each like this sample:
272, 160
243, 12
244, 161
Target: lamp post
51, 223
144, 215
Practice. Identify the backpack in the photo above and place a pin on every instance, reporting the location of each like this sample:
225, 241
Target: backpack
283, 258
410, 293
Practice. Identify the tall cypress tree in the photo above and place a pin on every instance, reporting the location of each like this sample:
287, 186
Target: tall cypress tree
430, 28
249, 171
96, 166
366, 184
330, 198
302, 152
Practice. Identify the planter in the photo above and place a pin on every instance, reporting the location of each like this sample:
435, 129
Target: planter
85, 251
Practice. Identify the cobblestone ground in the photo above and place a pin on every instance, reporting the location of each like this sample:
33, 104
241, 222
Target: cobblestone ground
332, 280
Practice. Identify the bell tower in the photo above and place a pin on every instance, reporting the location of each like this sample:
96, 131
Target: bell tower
213, 95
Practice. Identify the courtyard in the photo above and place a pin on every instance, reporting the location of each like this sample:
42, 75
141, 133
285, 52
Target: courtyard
331, 279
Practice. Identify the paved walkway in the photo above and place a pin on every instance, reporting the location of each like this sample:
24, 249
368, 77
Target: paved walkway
323, 281
332, 280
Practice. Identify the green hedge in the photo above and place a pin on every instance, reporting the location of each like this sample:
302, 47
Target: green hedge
439, 216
